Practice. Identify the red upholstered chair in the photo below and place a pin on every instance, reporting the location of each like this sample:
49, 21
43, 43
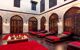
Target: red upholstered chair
57, 38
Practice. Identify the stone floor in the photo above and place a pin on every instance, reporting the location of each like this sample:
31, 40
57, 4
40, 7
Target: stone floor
50, 46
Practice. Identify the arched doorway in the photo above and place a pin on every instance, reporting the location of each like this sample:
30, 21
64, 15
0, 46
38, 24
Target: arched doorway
53, 26
72, 20
0, 25
32, 24
16, 24
42, 23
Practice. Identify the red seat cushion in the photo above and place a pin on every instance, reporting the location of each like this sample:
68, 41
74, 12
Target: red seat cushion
76, 43
66, 33
35, 32
6, 36
42, 35
53, 38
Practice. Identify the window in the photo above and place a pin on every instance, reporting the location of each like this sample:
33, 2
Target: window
52, 3
65, 0
34, 3
16, 3
42, 5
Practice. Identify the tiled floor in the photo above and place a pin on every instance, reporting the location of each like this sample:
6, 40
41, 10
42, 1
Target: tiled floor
50, 46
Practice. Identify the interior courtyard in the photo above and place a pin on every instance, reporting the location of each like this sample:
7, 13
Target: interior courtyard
40, 25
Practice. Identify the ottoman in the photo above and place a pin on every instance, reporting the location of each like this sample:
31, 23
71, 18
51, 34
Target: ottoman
41, 35
34, 33
52, 38
74, 45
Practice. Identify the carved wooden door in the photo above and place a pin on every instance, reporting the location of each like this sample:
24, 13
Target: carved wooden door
43, 21
32, 24
53, 26
16, 24
77, 24
69, 24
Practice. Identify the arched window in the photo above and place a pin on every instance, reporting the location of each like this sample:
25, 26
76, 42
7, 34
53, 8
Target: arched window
32, 24
16, 24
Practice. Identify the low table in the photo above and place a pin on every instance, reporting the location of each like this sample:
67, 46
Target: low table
5, 42
16, 41
14, 38
74, 45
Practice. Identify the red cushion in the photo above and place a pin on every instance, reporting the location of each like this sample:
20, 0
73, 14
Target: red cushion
35, 32
54, 38
66, 33
76, 43
42, 35
6, 36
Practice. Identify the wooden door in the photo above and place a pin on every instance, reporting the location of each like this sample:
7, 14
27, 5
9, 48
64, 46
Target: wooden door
42, 23
72, 20
32, 24
69, 24
77, 24
53, 26
0, 25
16, 25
